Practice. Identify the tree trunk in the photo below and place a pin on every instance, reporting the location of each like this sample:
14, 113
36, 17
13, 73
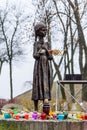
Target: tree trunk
60, 78
82, 47
11, 82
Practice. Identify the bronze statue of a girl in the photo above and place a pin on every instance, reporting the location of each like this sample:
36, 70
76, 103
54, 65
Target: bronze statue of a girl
42, 82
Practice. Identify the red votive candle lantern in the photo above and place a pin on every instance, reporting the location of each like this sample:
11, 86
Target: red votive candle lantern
26, 116
11, 113
83, 117
43, 116
17, 117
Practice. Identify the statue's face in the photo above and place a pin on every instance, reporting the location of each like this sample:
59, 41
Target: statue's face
41, 32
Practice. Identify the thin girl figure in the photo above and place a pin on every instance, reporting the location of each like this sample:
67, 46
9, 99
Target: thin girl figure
42, 81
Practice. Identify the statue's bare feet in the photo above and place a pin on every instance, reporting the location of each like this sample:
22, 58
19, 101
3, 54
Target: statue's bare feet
46, 101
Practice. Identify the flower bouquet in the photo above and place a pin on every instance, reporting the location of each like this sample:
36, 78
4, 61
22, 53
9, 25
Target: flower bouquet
55, 52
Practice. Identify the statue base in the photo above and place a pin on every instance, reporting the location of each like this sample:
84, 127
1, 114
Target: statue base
46, 108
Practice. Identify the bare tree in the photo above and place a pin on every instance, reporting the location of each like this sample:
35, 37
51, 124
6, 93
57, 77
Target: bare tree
82, 42
11, 24
76, 36
2, 52
66, 18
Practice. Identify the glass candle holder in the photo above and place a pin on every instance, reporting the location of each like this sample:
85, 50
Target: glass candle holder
15, 111
43, 116
54, 116
17, 117
7, 115
26, 116
79, 115
83, 116
86, 116
35, 115
60, 117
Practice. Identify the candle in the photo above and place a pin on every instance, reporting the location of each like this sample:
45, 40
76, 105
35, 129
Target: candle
35, 115
43, 116
17, 117
54, 116
60, 117
26, 116
7, 115
86, 116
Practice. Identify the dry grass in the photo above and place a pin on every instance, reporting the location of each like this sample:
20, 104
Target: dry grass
25, 99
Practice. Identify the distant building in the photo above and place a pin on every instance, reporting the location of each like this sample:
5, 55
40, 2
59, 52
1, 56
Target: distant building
3, 102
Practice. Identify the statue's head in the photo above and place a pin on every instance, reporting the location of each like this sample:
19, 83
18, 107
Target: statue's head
40, 30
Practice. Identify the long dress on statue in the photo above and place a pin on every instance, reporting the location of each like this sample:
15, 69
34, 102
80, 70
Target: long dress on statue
42, 77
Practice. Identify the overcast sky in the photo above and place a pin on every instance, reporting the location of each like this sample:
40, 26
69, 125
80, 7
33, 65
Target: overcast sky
22, 71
